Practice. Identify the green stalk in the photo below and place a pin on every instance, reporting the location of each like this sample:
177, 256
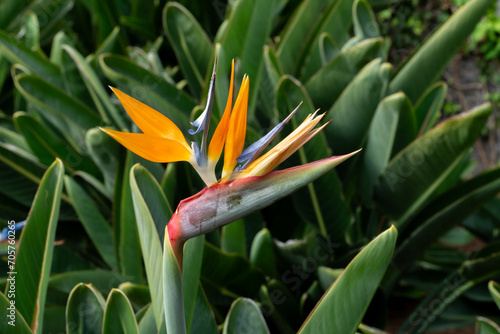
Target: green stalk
172, 289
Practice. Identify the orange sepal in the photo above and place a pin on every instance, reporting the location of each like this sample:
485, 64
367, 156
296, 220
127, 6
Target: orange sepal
152, 148
150, 121
219, 136
235, 139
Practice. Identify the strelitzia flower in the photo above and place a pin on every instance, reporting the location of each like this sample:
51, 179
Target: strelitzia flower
247, 182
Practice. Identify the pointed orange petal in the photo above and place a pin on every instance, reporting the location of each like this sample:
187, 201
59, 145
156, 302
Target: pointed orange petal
237, 129
219, 136
152, 148
150, 121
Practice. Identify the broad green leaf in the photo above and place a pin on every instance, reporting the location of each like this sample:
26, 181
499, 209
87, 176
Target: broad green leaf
336, 22
430, 60
96, 226
230, 271
353, 111
203, 316
85, 310
10, 11
248, 29
48, 146
245, 317
315, 201
411, 177
388, 133
147, 323
271, 73
102, 149
190, 43
102, 280
138, 295
494, 288
327, 276
262, 253
486, 326
18, 53
365, 24
233, 238
429, 105
118, 314
70, 116
483, 267
149, 88
107, 110
297, 30
444, 212
58, 41
31, 37
349, 296
169, 183
20, 174
148, 232
10, 317
268, 307
341, 71
35, 248
129, 247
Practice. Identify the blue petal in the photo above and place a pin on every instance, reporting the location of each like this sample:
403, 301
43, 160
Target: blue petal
5, 232
253, 151
203, 121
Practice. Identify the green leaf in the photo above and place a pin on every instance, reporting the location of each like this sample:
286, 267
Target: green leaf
444, 212
430, 60
233, 238
411, 177
12, 317
365, 24
71, 117
190, 43
296, 31
230, 271
148, 231
48, 146
102, 149
107, 110
118, 314
336, 22
352, 113
102, 280
494, 288
20, 174
85, 310
129, 246
388, 133
314, 202
248, 29
18, 53
245, 317
349, 296
149, 88
486, 326
96, 226
35, 248
10, 11
429, 105
203, 319
31, 29
262, 253
341, 71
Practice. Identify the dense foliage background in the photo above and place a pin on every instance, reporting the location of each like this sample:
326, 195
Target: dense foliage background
82, 260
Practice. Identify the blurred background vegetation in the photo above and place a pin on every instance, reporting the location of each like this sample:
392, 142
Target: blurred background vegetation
416, 85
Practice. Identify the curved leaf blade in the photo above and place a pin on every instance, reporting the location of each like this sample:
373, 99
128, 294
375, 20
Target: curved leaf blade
118, 315
349, 296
